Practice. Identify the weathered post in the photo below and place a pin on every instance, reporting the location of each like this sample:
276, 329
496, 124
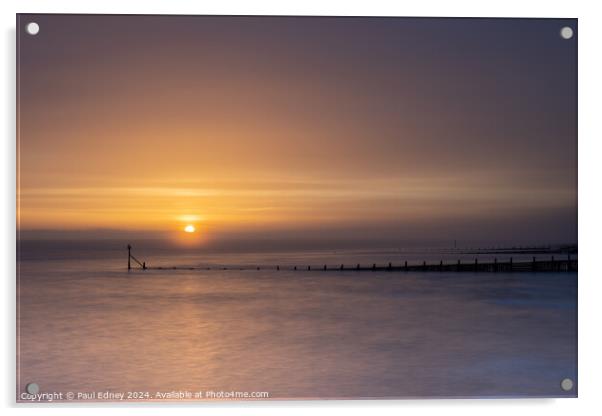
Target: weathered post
342, 266
458, 268
129, 256
324, 267
476, 264
374, 266
533, 264
390, 266
357, 267
143, 265
406, 265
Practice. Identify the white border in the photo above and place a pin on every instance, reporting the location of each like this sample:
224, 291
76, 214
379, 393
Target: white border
590, 207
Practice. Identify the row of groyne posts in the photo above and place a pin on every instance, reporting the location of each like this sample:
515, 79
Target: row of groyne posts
552, 264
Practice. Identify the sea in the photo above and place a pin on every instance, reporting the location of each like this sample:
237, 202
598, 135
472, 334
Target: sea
238, 328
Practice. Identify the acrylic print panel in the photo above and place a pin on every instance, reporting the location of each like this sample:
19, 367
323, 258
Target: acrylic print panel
265, 208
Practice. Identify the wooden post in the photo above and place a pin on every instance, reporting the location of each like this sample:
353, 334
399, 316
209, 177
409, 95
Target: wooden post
458, 268
476, 264
342, 266
390, 266
308, 267
441, 266
357, 267
324, 267
295, 268
533, 264
129, 256
406, 265
374, 266
143, 265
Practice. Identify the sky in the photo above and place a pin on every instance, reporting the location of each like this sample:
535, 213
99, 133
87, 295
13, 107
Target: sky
364, 129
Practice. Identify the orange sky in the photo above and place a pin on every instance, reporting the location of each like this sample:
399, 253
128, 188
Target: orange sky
264, 124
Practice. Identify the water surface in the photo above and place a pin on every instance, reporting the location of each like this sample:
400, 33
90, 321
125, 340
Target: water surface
89, 325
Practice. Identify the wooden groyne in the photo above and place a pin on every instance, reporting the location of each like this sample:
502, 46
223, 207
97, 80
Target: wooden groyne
551, 264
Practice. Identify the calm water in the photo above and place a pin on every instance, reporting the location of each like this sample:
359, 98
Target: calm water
89, 325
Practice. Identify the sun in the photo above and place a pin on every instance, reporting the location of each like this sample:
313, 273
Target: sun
189, 228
